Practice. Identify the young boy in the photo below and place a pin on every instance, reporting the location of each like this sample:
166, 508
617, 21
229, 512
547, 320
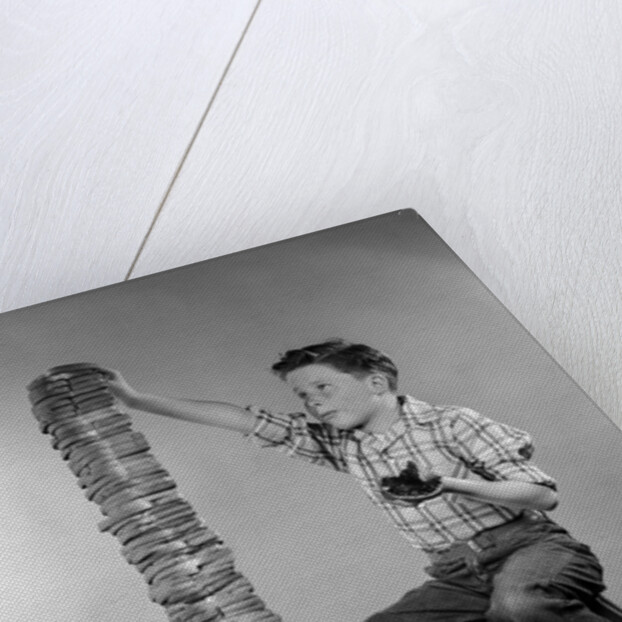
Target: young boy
494, 553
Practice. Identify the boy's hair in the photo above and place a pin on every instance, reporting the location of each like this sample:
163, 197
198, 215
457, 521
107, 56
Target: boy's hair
351, 358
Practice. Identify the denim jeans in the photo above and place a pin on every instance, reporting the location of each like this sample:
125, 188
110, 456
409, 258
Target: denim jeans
530, 570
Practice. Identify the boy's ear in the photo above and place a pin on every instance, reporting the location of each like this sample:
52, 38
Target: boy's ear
379, 382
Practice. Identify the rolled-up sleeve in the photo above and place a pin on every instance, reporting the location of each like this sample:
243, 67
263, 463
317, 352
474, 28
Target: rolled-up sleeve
495, 451
298, 437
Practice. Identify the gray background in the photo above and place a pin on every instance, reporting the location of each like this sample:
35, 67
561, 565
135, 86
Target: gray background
308, 539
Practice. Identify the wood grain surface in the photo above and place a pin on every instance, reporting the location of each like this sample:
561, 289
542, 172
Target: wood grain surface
499, 122
99, 102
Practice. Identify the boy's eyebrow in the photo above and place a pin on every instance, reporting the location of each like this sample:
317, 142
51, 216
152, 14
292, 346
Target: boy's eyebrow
315, 383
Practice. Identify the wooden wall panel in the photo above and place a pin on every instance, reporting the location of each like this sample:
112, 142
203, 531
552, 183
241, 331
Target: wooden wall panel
98, 103
499, 122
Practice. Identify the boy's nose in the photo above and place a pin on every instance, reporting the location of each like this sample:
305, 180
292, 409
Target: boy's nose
314, 402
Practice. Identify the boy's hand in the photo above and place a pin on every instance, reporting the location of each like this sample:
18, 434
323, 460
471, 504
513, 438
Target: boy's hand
409, 488
119, 387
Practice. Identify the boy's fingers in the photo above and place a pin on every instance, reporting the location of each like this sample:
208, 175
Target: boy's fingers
110, 374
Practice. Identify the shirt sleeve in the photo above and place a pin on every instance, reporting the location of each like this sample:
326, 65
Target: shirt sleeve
495, 451
298, 437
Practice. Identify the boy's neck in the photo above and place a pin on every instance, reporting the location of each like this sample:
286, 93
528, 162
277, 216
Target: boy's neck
389, 411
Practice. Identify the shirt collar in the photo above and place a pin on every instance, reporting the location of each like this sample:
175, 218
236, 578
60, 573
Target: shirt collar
412, 410
417, 410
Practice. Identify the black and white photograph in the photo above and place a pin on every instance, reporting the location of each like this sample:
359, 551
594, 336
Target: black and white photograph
310, 312
351, 414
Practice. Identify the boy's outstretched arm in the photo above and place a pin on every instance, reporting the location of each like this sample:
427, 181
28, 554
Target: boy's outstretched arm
512, 493
218, 414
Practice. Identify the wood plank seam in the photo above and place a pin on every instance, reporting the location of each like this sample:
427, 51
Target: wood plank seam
191, 143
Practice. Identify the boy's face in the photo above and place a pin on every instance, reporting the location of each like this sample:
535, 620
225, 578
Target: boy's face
337, 398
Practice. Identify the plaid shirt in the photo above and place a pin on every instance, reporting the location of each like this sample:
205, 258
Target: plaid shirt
453, 441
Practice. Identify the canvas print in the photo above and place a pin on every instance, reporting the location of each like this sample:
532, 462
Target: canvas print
341, 427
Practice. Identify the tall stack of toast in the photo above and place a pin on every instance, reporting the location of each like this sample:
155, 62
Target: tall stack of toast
188, 568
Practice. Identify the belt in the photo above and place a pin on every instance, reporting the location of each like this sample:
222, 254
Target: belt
481, 540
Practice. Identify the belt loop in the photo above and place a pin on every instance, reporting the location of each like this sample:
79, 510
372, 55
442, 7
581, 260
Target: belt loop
474, 563
474, 546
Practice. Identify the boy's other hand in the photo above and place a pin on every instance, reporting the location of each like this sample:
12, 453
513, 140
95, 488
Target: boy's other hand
412, 487
410, 500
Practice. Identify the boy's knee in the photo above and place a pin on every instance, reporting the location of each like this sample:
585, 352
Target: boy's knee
530, 606
514, 606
